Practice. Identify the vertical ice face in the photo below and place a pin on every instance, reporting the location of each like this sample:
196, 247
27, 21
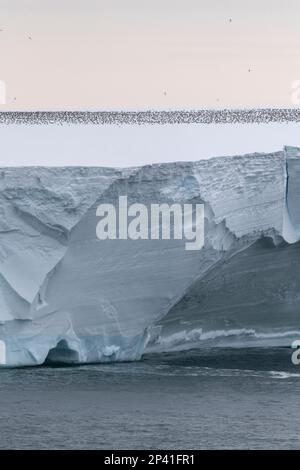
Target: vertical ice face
292, 155
252, 297
38, 208
68, 296
291, 218
111, 291
247, 191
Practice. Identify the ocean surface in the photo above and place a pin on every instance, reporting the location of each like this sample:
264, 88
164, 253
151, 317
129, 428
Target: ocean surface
198, 399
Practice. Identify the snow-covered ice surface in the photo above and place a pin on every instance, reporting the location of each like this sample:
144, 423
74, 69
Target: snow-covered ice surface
66, 296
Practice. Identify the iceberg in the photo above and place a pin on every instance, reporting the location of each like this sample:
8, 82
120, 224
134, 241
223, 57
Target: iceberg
68, 297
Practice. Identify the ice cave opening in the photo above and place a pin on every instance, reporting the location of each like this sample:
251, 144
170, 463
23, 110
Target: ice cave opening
62, 353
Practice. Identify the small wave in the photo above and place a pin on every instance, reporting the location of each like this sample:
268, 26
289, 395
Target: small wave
198, 335
283, 375
282, 334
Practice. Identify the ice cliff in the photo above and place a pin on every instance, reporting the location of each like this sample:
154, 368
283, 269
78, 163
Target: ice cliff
66, 296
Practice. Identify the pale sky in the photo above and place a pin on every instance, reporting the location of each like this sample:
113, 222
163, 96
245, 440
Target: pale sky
133, 145
145, 54
141, 54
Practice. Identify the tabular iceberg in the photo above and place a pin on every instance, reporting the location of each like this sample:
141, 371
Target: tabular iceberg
66, 296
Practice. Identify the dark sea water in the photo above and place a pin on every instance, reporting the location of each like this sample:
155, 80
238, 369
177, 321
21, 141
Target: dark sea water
199, 399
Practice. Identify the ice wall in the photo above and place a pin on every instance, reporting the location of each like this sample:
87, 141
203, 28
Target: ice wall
66, 296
